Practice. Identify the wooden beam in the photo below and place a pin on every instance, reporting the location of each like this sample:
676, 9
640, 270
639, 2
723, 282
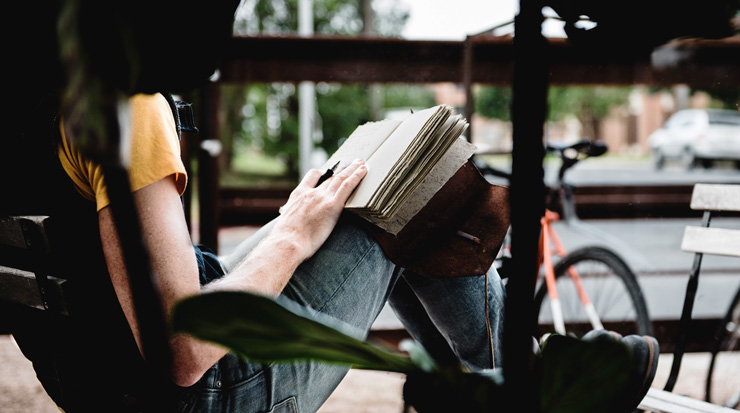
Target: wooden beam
385, 60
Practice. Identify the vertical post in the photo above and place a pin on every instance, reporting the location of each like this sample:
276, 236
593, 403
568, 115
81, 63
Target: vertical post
529, 107
186, 154
306, 97
368, 30
208, 167
467, 73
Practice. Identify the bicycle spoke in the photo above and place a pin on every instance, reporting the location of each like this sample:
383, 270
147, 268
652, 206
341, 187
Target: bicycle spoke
610, 287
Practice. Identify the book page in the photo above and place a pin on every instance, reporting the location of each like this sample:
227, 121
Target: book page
443, 140
362, 143
455, 158
387, 155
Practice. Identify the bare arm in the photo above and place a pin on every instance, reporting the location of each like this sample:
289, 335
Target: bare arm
306, 222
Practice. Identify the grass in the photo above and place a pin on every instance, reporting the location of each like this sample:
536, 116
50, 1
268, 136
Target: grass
253, 168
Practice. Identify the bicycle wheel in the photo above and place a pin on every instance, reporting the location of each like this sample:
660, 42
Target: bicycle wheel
723, 379
610, 285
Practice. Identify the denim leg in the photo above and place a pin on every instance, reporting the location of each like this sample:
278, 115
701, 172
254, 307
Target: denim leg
448, 316
345, 284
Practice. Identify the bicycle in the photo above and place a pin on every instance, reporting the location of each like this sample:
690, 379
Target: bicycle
589, 288
725, 356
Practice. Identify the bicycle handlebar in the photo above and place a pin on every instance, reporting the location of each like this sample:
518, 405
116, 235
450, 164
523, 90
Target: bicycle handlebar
574, 153
584, 147
569, 154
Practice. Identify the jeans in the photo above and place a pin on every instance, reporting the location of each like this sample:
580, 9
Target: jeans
346, 284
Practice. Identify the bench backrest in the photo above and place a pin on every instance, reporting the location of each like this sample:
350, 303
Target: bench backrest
25, 277
712, 240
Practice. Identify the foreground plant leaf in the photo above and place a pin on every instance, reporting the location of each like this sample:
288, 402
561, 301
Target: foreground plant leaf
262, 330
582, 376
452, 389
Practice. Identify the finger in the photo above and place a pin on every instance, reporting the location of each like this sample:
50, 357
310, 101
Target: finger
350, 183
339, 178
310, 179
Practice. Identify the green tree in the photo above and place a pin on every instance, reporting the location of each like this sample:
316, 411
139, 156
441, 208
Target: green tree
590, 104
725, 98
494, 102
275, 130
343, 107
340, 17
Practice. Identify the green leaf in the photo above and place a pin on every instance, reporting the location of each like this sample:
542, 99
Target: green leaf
582, 376
260, 329
419, 355
451, 389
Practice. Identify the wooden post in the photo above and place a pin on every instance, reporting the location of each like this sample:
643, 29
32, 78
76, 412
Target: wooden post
529, 107
209, 150
467, 76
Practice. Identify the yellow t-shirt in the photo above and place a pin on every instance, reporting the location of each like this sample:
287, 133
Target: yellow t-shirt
155, 152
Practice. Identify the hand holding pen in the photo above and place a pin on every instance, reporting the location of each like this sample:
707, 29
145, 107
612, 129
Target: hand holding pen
312, 213
328, 174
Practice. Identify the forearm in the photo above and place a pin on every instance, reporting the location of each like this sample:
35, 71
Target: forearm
267, 269
306, 222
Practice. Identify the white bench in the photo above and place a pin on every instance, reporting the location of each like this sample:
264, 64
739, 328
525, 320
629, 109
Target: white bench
710, 198
661, 401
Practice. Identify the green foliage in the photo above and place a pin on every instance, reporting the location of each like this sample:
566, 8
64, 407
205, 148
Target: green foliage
341, 109
270, 117
579, 376
494, 102
335, 17
581, 101
591, 102
401, 96
270, 123
725, 98
262, 330
571, 376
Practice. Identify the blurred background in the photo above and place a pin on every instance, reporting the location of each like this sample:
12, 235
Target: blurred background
299, 76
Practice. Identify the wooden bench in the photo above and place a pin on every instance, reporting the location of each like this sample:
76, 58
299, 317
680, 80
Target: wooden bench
661, 401
25, 276
712, 199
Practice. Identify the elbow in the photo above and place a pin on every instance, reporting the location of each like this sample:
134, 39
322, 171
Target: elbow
186, 371
186, 377
191, 359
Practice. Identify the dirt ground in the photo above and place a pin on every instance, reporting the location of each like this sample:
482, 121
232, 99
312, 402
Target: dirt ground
361, 391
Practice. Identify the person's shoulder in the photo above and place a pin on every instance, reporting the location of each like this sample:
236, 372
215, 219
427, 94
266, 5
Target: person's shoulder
152, 112
153, 101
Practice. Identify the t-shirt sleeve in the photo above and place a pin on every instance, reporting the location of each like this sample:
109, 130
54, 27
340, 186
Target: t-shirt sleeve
154, 152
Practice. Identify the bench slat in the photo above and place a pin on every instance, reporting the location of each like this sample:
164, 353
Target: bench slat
660, 401
719, 241
21, 287
716, 197
11, 233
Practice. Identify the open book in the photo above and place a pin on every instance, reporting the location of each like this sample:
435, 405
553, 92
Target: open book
408, 162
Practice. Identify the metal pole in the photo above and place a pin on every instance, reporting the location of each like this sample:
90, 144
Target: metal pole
306, 97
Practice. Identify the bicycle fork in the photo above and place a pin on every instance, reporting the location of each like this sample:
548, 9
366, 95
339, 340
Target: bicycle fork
548, 236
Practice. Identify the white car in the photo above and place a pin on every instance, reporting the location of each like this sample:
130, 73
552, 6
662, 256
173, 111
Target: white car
697, 137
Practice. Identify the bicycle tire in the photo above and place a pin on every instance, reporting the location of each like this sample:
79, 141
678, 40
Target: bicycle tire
724, 363
612, 288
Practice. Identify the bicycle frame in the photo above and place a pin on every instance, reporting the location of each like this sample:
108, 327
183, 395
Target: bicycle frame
548, 241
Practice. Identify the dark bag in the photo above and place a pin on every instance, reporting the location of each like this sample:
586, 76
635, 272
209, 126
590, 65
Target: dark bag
457, 234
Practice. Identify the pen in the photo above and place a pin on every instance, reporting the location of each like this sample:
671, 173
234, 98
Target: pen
328, 174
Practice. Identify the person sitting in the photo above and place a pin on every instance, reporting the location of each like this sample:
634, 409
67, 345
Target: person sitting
313, 255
